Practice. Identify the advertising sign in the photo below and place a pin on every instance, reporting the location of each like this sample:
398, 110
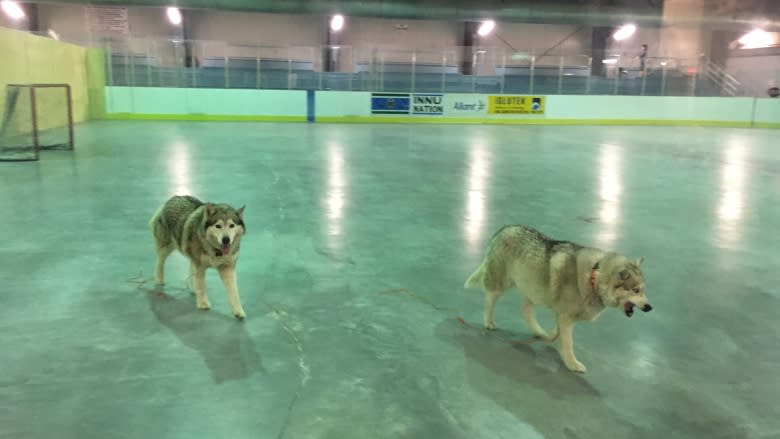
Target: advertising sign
515, 104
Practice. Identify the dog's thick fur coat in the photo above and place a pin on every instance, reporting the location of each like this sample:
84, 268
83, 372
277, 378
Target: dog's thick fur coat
575, 282
209, 235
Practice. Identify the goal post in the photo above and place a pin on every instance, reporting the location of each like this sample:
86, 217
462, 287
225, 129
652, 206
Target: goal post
35, 117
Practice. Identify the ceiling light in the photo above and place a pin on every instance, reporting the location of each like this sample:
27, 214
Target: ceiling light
756, 39
12, 9
624, 32
174, 15
486, 27
336, 22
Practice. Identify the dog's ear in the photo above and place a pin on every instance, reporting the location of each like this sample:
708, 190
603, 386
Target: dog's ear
639, 261
624, 275
241, 218
210, 210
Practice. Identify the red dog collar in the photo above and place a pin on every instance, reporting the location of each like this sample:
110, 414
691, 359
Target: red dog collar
592, 279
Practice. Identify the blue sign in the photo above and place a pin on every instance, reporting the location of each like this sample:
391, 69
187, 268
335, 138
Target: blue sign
390, 103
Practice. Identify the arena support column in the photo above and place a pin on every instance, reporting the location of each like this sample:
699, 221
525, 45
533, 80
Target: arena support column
332, 47
600, 36
469, 34
187, 31
683, 34
33, 22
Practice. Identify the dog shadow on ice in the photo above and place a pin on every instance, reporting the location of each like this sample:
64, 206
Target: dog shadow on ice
221, 340
491, 353
530, 382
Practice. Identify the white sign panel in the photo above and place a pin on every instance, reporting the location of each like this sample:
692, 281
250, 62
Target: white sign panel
107, 20
465, 105
427, 104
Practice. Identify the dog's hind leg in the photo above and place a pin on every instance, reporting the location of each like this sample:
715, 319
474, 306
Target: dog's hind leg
491, 297
164, 245
529, 316
228, 276
162, 254
495, 284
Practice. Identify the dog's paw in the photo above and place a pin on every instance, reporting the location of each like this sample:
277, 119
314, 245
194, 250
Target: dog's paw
204, 304
490, 326
576, 366
240, 314
545, 338
542, 335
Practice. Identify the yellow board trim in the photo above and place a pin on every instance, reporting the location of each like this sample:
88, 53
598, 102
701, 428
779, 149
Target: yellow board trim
438, 120
540, 121
765, 125
205, 117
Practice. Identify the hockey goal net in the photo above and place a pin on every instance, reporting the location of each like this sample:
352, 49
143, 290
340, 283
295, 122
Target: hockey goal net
35, 117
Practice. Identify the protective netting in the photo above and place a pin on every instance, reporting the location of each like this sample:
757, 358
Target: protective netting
34, 118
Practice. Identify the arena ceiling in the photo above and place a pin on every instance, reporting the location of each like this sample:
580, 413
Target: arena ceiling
544, 11
592, 12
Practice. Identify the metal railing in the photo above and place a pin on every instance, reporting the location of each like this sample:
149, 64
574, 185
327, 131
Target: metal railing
217, 64
728, 85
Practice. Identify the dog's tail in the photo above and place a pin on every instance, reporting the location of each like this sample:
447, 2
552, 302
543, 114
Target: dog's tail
476, 278
155, 219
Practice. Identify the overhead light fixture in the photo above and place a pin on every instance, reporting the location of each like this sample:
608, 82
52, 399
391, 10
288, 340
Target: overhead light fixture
520, 55
756, 39
12, 9
336, 22
174, 15
486, 27
624, 32
609, 61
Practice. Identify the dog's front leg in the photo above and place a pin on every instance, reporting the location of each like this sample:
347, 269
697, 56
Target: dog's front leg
228, 276
198, 276
566, 328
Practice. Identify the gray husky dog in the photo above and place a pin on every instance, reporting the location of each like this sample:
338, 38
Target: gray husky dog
209, 236
576, 282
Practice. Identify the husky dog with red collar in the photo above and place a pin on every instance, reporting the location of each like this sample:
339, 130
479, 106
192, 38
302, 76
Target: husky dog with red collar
209, 236
576, 282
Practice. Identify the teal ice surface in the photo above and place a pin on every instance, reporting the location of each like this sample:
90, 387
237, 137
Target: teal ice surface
359, 239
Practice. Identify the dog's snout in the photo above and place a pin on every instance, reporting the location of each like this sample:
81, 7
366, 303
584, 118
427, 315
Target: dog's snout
647, 308
225, 240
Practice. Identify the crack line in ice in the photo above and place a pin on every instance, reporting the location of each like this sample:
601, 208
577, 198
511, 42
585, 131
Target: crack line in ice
305, 373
